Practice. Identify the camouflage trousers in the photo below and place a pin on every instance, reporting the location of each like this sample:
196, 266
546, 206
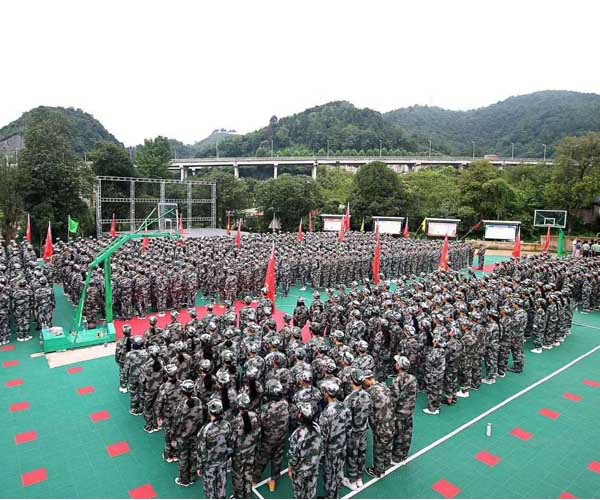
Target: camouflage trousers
491, 361
516, 349
269, 452
383, 442
142, 303
22, 319
122, 377
170, 450
450, 379
286, 285
188, 464
135, 395
433, 386
149, 415
503, 352
402, 438
465, 373
476, 373
538, 337
161, 300
45, 315
333, 471
550, 333
356, 454
214, 481
242, 474
305, 484
4, 328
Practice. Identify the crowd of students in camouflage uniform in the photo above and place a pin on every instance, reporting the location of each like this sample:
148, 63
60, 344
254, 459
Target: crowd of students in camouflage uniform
25, 292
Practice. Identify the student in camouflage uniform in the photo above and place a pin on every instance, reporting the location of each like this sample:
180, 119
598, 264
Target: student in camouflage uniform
435, 365
246, 434
122, 348
334, 422
169, 398
22, 309
274, 418
187, 421
381, 422
404, 398
152, 376
492, 345
306, 446
134, 363
4, 312
214, 450
539, 325
45, 304
519, 324
359, 406
505, 325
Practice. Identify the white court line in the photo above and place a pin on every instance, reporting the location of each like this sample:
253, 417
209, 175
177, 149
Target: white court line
471, 422
587, 326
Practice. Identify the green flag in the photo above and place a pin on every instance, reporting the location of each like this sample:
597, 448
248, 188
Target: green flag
362, 226
561, 244
73, 225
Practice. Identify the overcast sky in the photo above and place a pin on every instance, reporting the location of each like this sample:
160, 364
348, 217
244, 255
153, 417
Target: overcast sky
184, 68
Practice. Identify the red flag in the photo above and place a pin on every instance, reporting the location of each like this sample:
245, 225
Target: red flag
238, 236
310, 228
28, 232
300, 232
342, 235
347, 218
181, 230
548, 241
145, 241
477, 226
48, 248
113, 227
228, 225
406, 233
444, 257
517, 248
377, 257
270, 283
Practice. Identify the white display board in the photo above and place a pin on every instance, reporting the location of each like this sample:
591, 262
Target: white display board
501, 231
389, 225
332, 222
442, 228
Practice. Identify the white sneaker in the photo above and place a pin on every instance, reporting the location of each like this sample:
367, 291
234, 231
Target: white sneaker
488, 381
556, 344
547, 347
462, 394
537, 350
430, 412
359, 483
348, 484
123, 389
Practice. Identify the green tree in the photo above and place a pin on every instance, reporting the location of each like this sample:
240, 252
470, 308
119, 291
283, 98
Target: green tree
111, 159
576, 178
336, 187
289, 197
54, 181
152, 159
11, 201
433, 193
376, 190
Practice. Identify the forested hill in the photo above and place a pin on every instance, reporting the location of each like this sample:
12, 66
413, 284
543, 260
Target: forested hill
528, 121
84, 131
343, 127
181, 150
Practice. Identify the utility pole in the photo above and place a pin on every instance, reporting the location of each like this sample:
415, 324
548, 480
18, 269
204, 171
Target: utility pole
473, 149
380, 147
544, 152
429, 148
217, 147
327, 148
272, 148
512, 152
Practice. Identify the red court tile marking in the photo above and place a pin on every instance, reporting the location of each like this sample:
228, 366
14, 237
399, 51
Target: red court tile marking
14, 383
488, 459
10, 364
19, 407
572, 397
84, 391
521, 434
446, 488
34, 477
114, 450
592, 383
7, 348
552, 415
566, 494
74, 370
26, 437
594, 467
146, 491
100, 416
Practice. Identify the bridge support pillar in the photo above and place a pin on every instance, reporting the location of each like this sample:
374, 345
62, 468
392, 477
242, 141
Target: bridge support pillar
236, 170
314, 170
275, 165
183, 173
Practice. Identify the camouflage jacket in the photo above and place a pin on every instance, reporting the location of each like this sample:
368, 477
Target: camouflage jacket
169, 397
134, 362
335, 424
305, 450
404, 395
382, 416
245, 444
188, 419
274, 420
214, 444
360, 407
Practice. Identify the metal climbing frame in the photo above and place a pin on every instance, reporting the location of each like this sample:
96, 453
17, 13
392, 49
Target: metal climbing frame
132, 198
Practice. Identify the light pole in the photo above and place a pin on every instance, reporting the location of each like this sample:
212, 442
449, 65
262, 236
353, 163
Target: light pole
429, 148
327, 148
544, 152
380, 147
217, 147
512, 152
271, 148
473, 149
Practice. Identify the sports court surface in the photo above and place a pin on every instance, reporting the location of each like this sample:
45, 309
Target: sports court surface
66, 432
